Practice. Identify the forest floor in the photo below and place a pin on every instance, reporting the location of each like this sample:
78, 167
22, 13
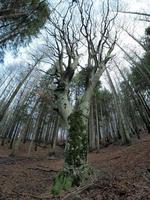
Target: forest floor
123, 173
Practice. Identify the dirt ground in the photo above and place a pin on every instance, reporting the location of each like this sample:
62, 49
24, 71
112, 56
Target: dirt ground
123, 173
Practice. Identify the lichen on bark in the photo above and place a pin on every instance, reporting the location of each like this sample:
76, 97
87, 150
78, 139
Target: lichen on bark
76, 147
76, 169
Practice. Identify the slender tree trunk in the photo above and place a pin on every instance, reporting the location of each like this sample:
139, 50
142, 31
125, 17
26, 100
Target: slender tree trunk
136, 100
97, 126
23, 131
91, 129
122, 123
54, 136
4, 109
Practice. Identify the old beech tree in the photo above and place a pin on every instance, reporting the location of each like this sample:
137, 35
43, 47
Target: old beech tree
81, 27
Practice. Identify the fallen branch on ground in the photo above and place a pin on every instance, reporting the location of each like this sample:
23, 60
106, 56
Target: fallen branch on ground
45, 170
79, 190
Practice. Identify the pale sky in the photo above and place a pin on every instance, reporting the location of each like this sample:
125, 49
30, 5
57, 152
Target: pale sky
136, 27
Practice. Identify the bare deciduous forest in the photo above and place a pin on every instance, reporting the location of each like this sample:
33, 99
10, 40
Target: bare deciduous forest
74, 100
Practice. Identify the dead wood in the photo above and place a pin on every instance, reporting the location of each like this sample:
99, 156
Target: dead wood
45, 170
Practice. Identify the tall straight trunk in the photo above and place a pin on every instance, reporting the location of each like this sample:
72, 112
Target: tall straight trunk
136, 100
91, 129
133, 63
15, 119
40, 132
97, 126
51, 129
144, 103
122, 122
6, 129
114, 125
145, 67
14, 135
36, 130
101, 126
4, 90
135, 39
5, 79
23, 131
7, 96
54, 135
4, 109
48, 131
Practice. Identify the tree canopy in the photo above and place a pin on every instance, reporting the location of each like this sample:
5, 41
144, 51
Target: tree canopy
20, 20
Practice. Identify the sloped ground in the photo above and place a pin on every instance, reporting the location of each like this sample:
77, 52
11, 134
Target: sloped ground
123, 173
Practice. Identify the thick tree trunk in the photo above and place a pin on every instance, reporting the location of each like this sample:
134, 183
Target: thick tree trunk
76, 168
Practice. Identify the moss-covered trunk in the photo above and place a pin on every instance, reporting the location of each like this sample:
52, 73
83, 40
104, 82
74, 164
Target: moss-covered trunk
76, 147
76, 169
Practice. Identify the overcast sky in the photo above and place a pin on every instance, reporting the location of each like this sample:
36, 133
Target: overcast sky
135, 26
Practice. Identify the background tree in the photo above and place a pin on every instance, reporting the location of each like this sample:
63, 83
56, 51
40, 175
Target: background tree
20, 20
